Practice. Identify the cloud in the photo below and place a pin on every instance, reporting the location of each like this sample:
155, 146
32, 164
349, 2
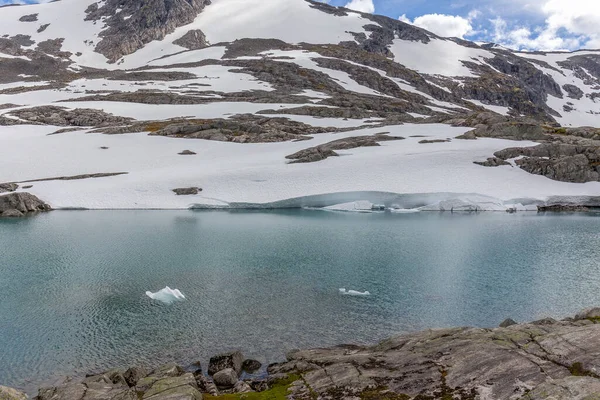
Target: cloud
366, 6
443, 25
567, 26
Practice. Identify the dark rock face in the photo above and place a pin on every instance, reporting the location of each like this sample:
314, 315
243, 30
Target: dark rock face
318, 153
187, 153
148, 20
224, 361
19, 204
187, 191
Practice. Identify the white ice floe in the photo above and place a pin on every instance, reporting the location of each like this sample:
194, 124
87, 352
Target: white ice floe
354, 206
166, 295
345, 292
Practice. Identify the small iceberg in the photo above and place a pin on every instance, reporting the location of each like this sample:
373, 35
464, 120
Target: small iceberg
345, 292
166, 295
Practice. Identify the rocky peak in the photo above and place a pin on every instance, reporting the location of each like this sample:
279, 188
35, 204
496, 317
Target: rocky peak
132, 24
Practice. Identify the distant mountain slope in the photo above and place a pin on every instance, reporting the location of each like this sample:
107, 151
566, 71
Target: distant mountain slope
263, 71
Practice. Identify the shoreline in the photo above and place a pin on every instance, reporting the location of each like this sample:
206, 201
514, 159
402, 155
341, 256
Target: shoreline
543, 359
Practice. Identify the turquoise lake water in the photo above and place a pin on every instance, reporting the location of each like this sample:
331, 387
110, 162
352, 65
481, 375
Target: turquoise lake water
72, 284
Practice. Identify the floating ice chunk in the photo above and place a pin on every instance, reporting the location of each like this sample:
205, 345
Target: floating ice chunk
353, 292
166, 295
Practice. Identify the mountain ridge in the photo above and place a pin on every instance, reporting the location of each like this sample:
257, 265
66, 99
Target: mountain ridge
272, 71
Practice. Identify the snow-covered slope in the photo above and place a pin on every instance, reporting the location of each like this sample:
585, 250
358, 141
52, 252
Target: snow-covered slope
282, 102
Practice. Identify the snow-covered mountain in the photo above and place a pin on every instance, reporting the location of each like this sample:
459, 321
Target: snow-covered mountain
115, 103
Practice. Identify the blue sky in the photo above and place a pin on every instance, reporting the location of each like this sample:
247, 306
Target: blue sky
518, 24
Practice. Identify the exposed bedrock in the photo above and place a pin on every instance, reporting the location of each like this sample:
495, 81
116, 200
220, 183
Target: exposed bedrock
60, 116
558, 161
147, 20
321, 152
20, 204
244, 128
545, 359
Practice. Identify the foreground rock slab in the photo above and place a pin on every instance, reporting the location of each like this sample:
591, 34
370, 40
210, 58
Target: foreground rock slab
542, 360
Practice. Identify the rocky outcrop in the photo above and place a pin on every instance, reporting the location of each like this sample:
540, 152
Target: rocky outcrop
147, 20
29, 18
528, 361
192, 40
321, 152
60, 116
245, 128
20, 204
558, 161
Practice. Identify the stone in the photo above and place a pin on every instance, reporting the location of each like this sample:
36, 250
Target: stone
168, 370
232, 360
134, 374
242, 387
507, 322
226, 378
187, 191
251, 366
187, 153
168, 383
588, 313
7, 393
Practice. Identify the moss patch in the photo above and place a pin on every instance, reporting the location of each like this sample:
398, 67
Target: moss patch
278, 391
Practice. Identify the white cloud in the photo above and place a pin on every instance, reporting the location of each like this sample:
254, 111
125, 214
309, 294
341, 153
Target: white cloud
445, 25
365, 6
568, 25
